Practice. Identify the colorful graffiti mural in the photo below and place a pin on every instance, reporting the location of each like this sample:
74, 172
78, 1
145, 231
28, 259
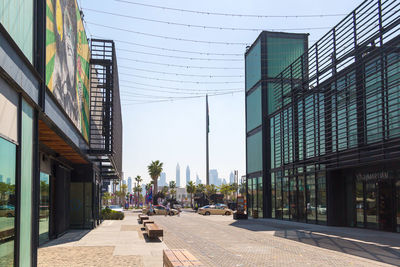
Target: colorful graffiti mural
67, 61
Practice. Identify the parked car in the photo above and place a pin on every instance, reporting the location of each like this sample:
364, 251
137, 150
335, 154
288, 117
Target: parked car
214, 210
160, 210
116, 208
7, 211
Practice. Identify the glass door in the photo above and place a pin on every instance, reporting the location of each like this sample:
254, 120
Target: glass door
44, 209
386, 209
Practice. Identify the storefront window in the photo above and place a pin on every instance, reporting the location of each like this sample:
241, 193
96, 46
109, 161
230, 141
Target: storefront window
7, 201
26, 185
254, 193
260, 197
321, 197
371, 205
360, 203
249, 197
293, 198
273, 195
311, 203
302, 198
278, 211
285, 197
44, 207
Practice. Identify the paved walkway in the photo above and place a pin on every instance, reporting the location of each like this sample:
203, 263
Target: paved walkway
221, 241
113, 243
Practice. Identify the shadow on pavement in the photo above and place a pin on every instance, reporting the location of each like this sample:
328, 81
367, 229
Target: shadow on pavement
374, 245
70, 236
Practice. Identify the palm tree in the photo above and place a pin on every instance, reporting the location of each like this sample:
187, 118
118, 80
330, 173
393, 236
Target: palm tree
138, 180
155, 169
225, 190
191, 188
137, 189
172, 186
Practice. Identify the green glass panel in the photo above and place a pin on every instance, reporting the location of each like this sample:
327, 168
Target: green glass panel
17, 18
254, 153
7, 201
321, 197
253, 66
311, 198
253, 112
26, 186
273, 195
282, 52
44, 209
260, 197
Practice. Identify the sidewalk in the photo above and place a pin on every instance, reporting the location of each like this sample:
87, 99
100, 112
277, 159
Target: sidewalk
113, 243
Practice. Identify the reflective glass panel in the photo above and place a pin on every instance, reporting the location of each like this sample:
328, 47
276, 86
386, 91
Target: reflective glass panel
311, 201
359, 203
321, 197
253, 109
398, 203
293, 198
253, 66
285, 197
7, 201
254, 152
260, 197
371, 204
278, 196
273, 195
44, 209
302, 198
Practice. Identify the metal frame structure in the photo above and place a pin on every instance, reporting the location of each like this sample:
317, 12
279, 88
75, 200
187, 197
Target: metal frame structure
105, 109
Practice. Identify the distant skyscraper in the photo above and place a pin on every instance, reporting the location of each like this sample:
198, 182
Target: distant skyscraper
231, 178
163, 179
187, 175
178, 175
130, 185
8, 180
198, 181
224, 181
1, 178
214, 177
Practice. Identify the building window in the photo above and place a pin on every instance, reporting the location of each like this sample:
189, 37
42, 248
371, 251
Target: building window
293, 198
311, 198
253, 66
321, 198
26, 185
398, 203
278, 211
302, 198
273, 195
254, 152
359, 203
285, 197
253, 109
44, 209
260, 196
7, 201
371, 204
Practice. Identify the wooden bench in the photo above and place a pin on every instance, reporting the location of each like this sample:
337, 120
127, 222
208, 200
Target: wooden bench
153, 230
146, 222
143, 217
6, 234
179, 257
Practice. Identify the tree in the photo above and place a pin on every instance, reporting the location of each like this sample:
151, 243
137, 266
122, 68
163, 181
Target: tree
211, 189
165, 189
106, 197
200, 189
172, 191
155, 169
191, 188
226, 190
242, 188
234, 189
137, 189
138, 180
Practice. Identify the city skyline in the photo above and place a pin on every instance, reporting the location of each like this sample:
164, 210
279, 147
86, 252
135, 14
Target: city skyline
178, 175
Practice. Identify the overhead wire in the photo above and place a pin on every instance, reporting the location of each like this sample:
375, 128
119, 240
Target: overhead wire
180, 66
202, 26
181, 89
172, 91
182, 81
166, 37
180, 74
230, 14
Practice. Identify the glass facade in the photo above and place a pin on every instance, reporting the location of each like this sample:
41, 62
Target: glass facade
17, 18
254, 152
253, 109
44, 208
25, 242
255, 196
253, 66
7, 201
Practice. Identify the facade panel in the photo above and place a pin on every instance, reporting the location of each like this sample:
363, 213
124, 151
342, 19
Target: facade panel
254, 152
17, 17
253, 112
253, 66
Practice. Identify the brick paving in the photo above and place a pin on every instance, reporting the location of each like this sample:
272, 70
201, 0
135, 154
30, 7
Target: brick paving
221, 241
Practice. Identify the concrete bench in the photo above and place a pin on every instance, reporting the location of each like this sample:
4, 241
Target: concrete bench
153, 230
146, 222
179, 257
143, 217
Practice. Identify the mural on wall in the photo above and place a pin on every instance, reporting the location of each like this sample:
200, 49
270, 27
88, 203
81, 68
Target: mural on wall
67, 61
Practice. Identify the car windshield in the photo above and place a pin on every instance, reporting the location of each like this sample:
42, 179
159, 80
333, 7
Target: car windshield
115, 207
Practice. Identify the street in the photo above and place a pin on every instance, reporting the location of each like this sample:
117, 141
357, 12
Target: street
222, 241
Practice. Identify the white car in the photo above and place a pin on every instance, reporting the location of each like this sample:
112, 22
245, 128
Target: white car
116, 208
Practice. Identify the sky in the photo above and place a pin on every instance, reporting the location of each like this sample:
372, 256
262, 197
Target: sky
165, 120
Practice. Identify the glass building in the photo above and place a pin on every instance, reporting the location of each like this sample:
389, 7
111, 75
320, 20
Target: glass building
265, 59
335, 127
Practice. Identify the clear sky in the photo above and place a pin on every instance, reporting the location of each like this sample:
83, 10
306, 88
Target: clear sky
174, 131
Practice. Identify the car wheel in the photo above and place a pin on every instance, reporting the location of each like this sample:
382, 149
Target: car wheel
227, 213
207, 213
